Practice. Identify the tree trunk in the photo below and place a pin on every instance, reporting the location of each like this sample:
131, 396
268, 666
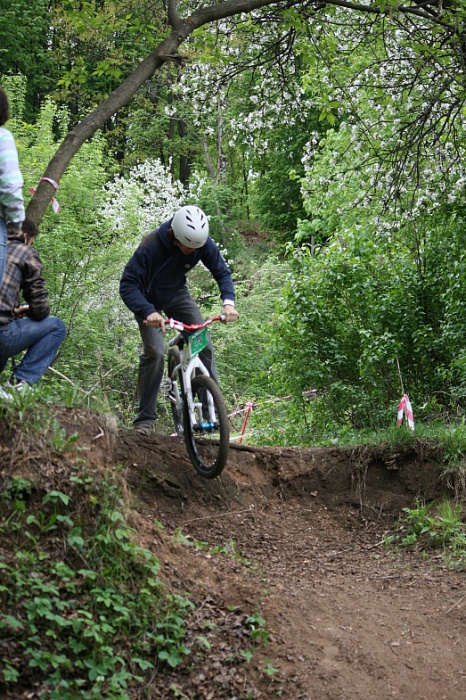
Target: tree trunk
166, 51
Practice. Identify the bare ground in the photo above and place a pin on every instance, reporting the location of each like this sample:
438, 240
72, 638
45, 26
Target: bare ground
349, 617
297, 537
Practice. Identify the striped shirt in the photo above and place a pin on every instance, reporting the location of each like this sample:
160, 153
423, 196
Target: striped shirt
23, 273
11, 183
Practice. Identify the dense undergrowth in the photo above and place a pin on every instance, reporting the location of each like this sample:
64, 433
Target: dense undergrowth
437, 526
84, 613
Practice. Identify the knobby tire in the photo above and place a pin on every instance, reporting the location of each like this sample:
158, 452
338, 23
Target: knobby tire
208, 451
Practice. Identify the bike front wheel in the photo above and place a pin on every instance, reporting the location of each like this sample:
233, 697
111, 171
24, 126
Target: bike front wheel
207, 440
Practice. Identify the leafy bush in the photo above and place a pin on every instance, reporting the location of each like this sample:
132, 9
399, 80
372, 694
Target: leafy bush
436, 525
82, 605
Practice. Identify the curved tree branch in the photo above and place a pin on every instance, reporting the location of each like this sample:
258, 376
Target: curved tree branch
165, 51
173, 16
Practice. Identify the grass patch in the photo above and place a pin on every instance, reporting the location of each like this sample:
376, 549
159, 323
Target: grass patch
434, 526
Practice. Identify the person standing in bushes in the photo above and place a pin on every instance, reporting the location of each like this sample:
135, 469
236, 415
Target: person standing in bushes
29, 327
11, 184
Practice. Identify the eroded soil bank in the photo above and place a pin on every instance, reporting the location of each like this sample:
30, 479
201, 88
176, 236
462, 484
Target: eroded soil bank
296, 537
348, 616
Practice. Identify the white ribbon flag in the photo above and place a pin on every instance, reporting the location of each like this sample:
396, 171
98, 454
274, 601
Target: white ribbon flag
55, 205
405, 409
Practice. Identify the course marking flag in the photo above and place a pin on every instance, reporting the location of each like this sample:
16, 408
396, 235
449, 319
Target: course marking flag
405, 409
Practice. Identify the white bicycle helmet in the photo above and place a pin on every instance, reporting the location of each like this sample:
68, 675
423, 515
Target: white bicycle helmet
190, 226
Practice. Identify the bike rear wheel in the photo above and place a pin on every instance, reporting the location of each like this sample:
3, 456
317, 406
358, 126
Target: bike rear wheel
207, 443
173, 361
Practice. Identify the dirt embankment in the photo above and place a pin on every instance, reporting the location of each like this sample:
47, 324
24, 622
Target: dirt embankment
349, 617
297, 537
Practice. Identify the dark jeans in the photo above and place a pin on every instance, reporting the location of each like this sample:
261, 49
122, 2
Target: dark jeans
41, 339
151, 361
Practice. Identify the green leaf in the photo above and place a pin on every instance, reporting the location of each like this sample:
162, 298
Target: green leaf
55, 496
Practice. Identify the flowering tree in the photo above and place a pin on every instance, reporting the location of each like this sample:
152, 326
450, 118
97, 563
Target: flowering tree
140, 202
400, 90
436, 31
177, 30
379, 282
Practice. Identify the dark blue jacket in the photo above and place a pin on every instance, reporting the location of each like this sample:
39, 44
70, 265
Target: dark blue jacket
157, 271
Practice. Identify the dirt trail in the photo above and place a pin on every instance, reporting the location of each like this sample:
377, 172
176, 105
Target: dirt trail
296, 538
348, 617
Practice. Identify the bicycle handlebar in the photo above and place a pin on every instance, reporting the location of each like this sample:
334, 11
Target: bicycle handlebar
180, 326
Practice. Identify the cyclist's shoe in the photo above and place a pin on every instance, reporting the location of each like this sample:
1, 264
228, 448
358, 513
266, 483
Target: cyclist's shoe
144, 428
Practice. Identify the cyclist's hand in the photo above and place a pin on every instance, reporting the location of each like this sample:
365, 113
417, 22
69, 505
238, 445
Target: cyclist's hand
229, 313
21, 311
155, 320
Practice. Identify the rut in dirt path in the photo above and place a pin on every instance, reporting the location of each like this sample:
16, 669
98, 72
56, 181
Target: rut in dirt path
357, 621
349, 617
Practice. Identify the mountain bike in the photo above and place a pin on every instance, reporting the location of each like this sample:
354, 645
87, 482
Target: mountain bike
197, 404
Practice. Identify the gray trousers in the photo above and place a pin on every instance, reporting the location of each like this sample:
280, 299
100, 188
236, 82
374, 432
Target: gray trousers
151, 361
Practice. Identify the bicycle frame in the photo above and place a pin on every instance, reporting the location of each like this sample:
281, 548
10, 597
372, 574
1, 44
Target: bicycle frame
197, 403
189, 363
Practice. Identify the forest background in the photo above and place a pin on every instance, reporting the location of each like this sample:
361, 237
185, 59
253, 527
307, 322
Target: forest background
326, 143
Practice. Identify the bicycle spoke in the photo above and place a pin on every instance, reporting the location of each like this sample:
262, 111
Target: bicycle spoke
207, 439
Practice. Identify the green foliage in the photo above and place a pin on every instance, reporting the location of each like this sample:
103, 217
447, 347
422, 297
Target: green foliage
379, 281
436, 525
25, 34
279, 420
229, 549
221, 201
343, 332
96, 45
452, 445
87, 620
268, 668
60, 441
19, 405
276, 199
257, 627
366, 314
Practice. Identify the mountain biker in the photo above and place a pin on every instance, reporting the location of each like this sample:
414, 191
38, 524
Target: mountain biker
154, 281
